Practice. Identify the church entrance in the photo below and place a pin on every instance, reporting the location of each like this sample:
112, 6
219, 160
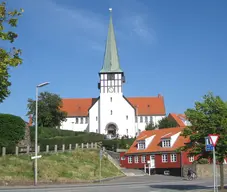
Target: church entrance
111, 130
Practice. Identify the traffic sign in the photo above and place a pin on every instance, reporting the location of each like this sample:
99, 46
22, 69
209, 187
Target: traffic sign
213, 138
36, 157
209, 147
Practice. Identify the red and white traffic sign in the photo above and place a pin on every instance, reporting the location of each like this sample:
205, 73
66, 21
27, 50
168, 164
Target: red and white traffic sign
213, 138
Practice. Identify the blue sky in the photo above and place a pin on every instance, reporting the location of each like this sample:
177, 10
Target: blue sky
175, 48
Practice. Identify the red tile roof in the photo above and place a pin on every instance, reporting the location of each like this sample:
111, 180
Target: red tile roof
155, 146
177, 118
145, 105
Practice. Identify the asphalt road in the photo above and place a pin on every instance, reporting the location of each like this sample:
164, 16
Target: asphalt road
128, 184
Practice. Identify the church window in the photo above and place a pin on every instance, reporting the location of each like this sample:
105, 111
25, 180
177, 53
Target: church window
146, 119
110, 76
81, 120
86, 119
110, 99
136, 119
76, 120
127, 117
111, 112
96, 118
141, 119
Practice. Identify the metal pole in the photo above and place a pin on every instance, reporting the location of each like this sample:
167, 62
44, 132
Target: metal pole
36, 137
100, 166
214, 170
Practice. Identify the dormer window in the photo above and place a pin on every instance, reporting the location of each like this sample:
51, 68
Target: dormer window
141, 145
166, 143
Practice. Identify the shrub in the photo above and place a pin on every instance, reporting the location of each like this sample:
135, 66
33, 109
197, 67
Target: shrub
12, 130
117, 143
49, 132
203, 161
59, 141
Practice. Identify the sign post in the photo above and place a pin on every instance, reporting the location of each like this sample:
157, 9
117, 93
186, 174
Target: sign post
211, 140
100, 165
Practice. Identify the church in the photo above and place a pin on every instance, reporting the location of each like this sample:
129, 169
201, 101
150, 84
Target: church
111, 113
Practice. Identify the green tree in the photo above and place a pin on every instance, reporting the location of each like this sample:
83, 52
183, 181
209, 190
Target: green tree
150, 126
207, 117
12, 130
49, 110
166, 123
8, 58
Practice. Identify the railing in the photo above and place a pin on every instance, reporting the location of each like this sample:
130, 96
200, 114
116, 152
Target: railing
48, 148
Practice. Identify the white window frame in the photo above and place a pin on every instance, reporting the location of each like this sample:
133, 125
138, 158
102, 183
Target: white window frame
173, 158
136, 159
143, 159
141, 145
166, 143
191, 159
129, 159
164, 158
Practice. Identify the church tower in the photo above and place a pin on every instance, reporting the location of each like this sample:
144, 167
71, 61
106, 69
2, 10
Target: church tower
116, 115
111, 74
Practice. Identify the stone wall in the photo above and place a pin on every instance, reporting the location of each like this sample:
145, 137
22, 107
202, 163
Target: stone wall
206, 170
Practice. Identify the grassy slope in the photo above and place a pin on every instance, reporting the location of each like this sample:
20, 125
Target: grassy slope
80, 165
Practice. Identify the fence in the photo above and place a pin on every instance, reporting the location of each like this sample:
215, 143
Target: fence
48, 148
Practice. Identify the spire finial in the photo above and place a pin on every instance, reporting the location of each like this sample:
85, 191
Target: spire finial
110, 9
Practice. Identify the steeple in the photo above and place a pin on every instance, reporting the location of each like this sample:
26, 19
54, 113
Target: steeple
111, 61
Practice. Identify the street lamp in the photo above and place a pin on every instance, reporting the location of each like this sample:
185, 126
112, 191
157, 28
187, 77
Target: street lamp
36, 129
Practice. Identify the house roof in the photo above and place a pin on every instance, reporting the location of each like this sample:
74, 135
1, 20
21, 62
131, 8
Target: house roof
144, 105
155, 146
179, 118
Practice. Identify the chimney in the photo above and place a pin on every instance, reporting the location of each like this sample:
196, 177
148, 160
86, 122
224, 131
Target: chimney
30, 121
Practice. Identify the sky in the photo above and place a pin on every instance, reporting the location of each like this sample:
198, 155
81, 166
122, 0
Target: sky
174, 48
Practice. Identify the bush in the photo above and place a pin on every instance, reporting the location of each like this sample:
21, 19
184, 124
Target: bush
203, 161
117, 143
59, 141
48, 132
12, 130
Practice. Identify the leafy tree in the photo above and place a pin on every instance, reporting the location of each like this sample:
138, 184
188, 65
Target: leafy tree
49, 110
166, 123
8, 58
150, 126
12, 130
207, 117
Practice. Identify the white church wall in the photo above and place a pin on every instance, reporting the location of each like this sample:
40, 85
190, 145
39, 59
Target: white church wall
115, 109
144, 120
75, 124
93, 118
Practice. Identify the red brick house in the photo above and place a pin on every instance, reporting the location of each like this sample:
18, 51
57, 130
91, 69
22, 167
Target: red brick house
155, 150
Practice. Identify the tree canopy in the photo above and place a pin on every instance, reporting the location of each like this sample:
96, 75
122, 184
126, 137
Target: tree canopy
49, 110
207, 117
8, 57
166, 123
12, 130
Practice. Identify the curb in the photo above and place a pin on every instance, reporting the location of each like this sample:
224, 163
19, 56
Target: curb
108, 179
47, 185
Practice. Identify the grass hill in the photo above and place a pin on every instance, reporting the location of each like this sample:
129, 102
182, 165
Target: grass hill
77, 166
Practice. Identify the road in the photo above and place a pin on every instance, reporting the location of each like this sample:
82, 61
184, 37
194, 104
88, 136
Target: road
128, 184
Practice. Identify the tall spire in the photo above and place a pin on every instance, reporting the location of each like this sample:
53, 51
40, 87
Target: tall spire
111, 61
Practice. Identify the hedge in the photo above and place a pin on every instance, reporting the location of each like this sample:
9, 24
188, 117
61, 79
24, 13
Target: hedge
59, 141
48, 132
12, 130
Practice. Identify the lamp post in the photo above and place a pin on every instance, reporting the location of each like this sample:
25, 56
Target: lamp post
36, 129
